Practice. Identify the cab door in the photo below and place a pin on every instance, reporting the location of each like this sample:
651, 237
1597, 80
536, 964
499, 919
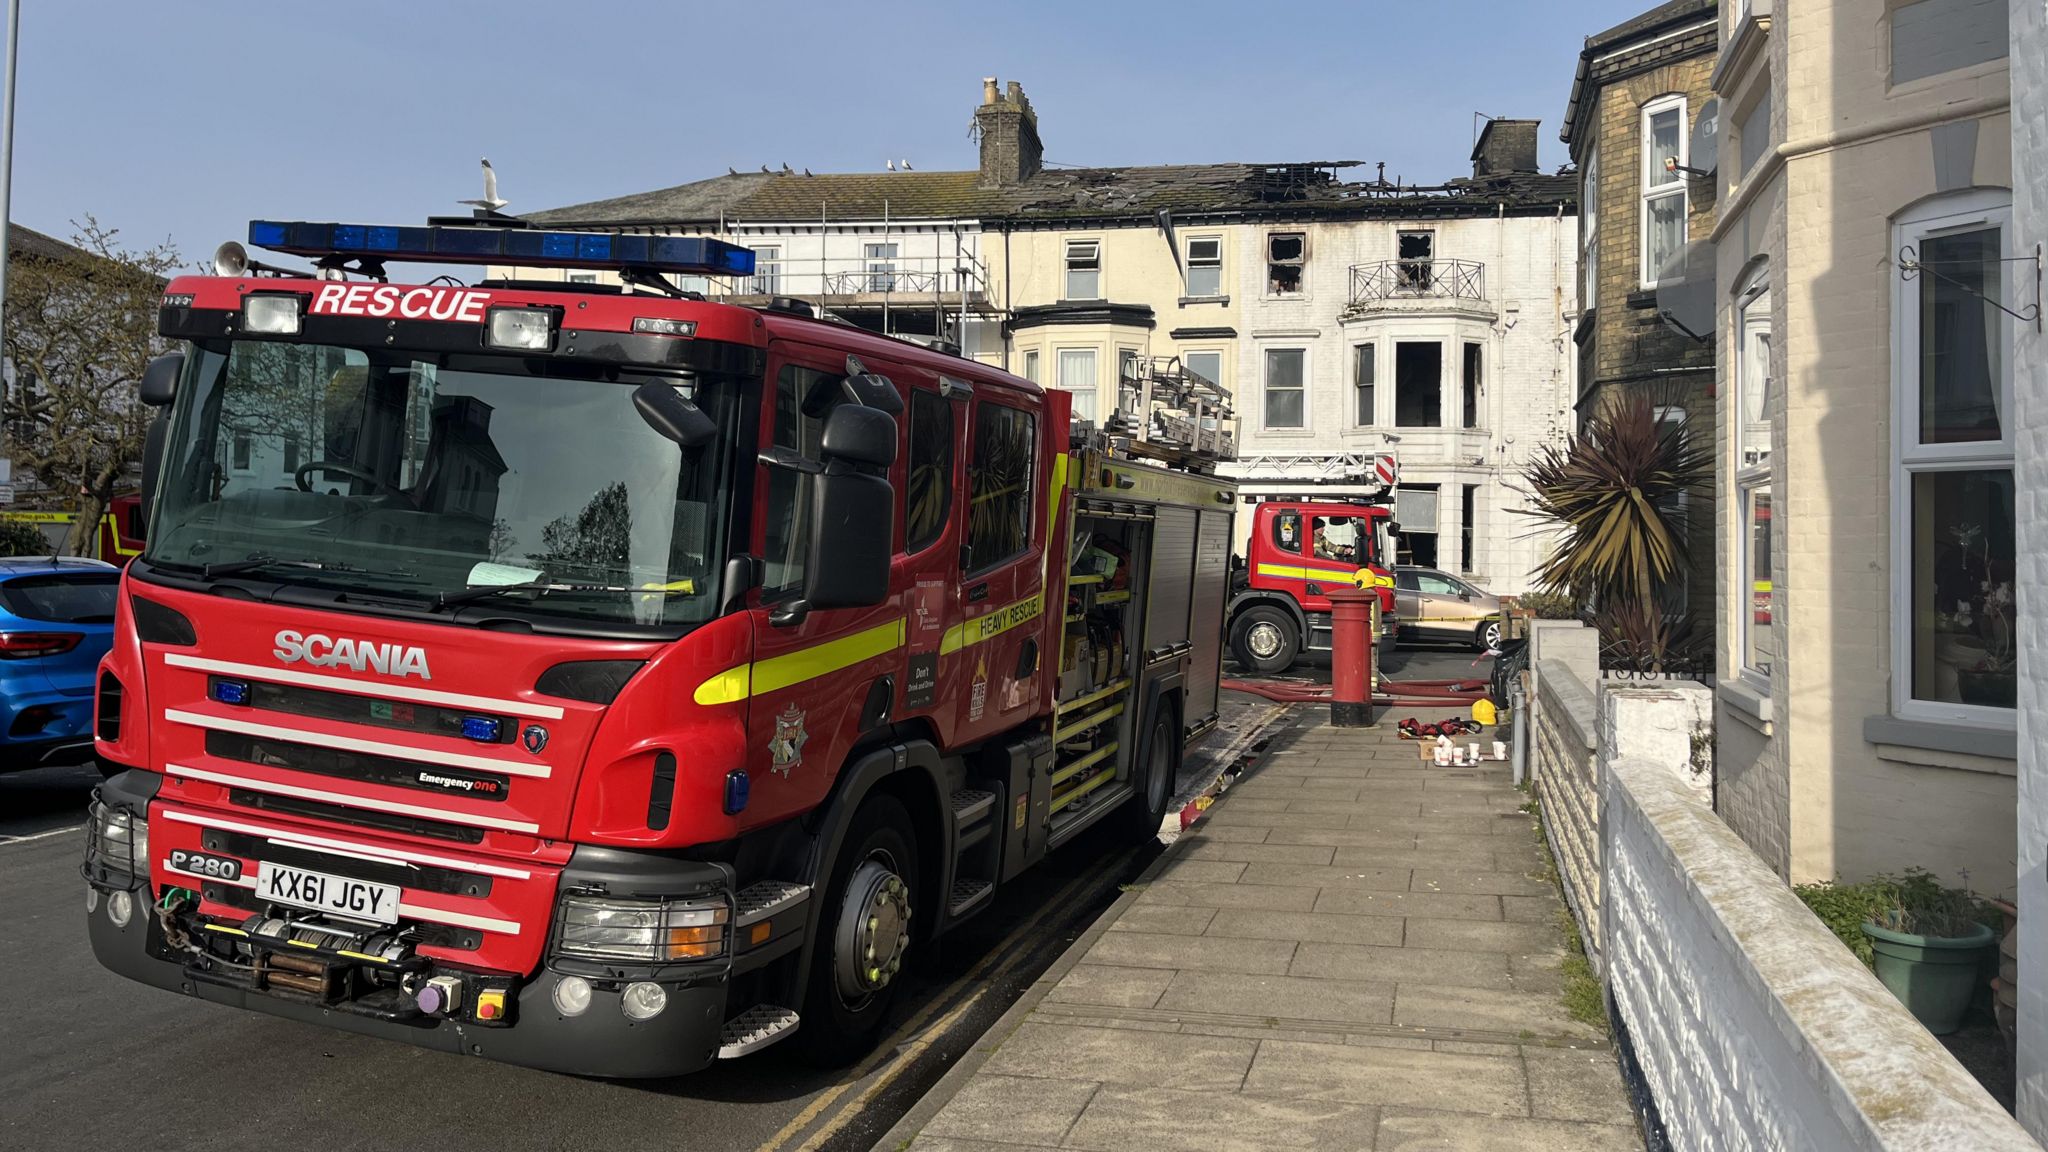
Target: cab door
991, 660
814, 672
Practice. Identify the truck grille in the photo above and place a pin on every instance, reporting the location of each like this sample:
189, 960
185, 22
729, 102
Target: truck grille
360, 817
347, 765
427, 719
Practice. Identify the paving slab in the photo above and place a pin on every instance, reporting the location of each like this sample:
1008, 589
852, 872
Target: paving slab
1280, 997
1416, 905
1124, 1056
1323, 927
1492, 1085
1401, 965
1175, 919
1193, 954
1505, 1010
1111, 986
1203, 849
1575, 1083
1023, 1109
1402, 1130
1311, 876
1120, 1119
1229, 895
1478, 883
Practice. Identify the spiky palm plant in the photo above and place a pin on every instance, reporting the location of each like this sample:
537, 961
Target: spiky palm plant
1613, 492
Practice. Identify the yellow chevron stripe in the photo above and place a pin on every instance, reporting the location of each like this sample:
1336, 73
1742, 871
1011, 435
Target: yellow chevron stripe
779, 672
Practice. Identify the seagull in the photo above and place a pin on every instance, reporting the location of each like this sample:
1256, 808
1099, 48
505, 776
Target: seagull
892, 165
490, 202
765, 168
731, 171
786, 171
906, 165
807, 171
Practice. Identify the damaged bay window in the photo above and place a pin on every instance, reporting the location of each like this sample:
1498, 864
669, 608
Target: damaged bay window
1364, 372
1471, 379
1418, 384
1205, 267
1415, 250
1084, 270
1286, 254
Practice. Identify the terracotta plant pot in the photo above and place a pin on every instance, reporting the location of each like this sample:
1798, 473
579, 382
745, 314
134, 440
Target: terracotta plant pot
1935, 977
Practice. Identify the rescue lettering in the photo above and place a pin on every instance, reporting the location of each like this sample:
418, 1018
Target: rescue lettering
460, 305
358, 655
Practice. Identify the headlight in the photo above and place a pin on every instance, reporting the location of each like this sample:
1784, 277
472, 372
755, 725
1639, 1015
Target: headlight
120, 841
521, 329
647, 931
272, 315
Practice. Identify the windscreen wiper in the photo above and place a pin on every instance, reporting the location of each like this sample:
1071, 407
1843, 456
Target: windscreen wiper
236, 567
461, 596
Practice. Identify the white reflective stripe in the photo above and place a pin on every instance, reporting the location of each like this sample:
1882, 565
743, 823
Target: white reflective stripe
364, 687
351, 744
350, 801
430, 915
306, 840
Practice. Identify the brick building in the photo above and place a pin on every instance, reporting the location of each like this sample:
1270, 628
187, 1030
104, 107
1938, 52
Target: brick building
1640, 90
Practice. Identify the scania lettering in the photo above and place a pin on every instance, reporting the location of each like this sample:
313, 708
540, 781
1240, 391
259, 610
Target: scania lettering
359, 655
764, 650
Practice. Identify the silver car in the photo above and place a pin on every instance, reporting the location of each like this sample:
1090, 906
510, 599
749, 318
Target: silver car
1435, 605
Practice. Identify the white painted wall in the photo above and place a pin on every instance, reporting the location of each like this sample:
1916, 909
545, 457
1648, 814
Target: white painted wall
2030, 393
1754, 1027
1530, 368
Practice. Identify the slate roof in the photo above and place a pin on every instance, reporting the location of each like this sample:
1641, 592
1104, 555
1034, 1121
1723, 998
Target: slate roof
29, 242
1062, 195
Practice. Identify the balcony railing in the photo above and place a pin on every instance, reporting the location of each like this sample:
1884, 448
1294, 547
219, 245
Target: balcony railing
945, 278
1417, 280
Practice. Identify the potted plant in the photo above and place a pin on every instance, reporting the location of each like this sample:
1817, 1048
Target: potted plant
1992, 679
1928, 944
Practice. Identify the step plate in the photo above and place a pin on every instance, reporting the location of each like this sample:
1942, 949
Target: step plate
754, 1029
966, 894
757, 902
970, 803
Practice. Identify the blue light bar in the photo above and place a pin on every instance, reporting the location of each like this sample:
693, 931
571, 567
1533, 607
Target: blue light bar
483, 728
231, 691
461, 244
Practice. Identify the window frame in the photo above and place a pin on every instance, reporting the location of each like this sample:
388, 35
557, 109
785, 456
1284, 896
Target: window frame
1441, 362
913, 546
1468, 527
1094, 394
1299, 262
1589, 214
1068, 256
1954, 214
1031, 362
1187, 357
1365, 354
1751, 478
1266, 387
1652, 190
767, 277
1204, 262
1471, 382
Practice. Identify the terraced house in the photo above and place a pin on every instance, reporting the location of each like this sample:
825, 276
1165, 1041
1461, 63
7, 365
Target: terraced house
1339, 317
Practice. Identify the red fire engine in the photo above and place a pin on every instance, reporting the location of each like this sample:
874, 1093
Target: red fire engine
600, 679
1299, 549
118, 540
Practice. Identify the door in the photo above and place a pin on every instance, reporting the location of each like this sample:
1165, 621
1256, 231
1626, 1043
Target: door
1443, 606
992, 660
813, 672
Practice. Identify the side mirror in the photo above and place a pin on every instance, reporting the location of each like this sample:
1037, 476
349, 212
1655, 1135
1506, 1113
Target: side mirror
665, 411
859, 436
160, 380
153, 458
852, 526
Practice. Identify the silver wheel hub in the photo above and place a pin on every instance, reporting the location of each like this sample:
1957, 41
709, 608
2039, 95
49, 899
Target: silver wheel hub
1263, 640
874, 931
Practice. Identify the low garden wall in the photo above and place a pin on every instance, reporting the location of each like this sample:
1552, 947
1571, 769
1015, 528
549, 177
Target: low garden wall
1565, 779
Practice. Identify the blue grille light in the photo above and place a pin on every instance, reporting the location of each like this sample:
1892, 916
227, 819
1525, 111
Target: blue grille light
689, 255
737, 788
231, 691
484, 728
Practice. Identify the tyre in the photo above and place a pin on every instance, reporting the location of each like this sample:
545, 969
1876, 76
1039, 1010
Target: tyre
864, 937
1143, 812
1264, 639
1487, 636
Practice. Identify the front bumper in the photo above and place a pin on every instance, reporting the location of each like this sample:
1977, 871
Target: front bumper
599, 1042
163, 949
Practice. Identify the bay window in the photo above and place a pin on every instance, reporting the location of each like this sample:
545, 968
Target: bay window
1954, 619
1664, 193
1755, 602
1077, 375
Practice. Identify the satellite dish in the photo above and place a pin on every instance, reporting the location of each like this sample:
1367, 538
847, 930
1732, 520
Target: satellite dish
1685, 290
1706, 139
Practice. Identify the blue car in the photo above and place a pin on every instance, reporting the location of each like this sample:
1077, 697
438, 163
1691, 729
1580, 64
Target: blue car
56, 621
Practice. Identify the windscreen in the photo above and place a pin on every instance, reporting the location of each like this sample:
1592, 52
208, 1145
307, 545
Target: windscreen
63, 598
419, 475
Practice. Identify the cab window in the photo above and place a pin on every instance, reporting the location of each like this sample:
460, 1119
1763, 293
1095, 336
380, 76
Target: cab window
1287, 531
999, 485
1340, 538
929, 501
801, 405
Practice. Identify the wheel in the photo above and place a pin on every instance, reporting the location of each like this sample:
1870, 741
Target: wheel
1143, 812
1488, 635
1264, 639
861, 949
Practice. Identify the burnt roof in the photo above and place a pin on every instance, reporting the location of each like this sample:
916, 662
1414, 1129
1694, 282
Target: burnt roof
1063, 195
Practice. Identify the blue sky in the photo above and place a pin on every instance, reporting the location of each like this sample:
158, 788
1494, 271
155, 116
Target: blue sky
183, 121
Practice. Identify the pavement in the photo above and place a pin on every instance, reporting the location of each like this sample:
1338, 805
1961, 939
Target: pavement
1351, 950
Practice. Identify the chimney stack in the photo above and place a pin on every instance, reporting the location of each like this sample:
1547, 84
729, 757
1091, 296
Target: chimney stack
1505, 146
1010, 151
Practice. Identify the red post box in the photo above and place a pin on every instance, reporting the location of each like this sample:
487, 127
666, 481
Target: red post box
1351, 671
